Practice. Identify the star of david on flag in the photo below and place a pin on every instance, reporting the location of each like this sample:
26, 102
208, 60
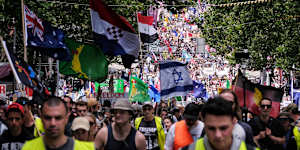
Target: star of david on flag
175, 79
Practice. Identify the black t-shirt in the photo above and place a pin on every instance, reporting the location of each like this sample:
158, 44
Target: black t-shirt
68, 145
148, 128
9, 142
276, 128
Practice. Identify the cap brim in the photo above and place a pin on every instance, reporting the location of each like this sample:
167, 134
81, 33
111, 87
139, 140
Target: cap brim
80, 127
147, 105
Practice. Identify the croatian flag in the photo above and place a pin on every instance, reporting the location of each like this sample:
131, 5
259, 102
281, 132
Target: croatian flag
147, 31
113, 33
175, 79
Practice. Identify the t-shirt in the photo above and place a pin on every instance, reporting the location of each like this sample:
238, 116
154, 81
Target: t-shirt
276, 128
148, 128
68, 145
239, 132
9, 142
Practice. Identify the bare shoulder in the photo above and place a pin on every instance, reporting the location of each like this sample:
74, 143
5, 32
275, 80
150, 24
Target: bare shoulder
140, 141
101, 138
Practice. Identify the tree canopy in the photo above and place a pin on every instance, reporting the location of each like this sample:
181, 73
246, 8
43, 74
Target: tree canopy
269, 30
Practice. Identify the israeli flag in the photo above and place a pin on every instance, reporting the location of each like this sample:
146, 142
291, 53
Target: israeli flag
175, 79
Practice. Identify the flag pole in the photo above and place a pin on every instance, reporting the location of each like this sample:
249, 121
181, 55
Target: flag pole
24, 34
139, 34
292, 85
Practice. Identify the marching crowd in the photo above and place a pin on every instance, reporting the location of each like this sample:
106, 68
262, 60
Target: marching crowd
60, 123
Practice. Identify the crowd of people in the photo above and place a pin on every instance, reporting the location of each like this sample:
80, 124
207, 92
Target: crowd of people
60, 123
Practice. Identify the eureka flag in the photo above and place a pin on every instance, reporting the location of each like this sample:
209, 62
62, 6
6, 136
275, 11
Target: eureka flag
44, 37
147, 31
138, 91
113, 33
88, 62
175, 79
255, 93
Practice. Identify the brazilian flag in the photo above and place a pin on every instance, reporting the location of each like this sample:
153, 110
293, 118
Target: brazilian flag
88, 62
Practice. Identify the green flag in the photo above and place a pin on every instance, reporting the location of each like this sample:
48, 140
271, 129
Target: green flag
88, 62
119, 86
138, 91
178, 98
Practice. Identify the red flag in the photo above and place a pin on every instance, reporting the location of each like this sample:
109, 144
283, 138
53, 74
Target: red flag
254, 94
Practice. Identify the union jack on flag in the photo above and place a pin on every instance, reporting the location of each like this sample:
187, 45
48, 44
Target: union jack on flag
32, 21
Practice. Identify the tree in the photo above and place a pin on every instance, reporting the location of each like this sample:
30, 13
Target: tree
268, 30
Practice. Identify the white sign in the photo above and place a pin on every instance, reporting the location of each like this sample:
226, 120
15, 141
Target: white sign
3, 90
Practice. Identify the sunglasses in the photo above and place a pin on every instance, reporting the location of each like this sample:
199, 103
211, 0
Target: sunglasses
264, 106
283, 119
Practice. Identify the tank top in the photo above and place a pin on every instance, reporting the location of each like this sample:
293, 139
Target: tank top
127, 144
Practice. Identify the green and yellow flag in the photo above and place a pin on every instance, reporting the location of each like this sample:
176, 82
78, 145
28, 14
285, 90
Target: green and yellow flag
138, 91
88, 62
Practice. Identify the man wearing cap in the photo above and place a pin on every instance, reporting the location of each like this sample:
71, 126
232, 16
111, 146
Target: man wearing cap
16, 135
80, 128
120, 135
54, 115
152, 128
185, 132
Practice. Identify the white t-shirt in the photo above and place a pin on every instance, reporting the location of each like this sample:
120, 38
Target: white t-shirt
239, 132
195, 131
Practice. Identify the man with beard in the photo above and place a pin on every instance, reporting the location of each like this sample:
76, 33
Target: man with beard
120, 135
54, 115
185, 132
268, 132
16, 135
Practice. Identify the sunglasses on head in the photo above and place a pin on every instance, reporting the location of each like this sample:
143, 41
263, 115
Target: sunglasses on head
264, 106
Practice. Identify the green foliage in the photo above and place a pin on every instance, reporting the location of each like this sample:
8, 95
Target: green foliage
265, 29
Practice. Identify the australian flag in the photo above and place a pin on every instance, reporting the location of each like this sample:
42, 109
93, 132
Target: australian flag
41, 35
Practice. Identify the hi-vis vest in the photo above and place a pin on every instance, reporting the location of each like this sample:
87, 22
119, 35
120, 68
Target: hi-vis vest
200, 145
297, 137
39, 127
38, 144
160, 130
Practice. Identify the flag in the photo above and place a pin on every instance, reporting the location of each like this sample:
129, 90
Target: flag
119, 86
42, 36
154, 94
199, 90
23, 72
138, 91
147, 31
175, 79
254, 94
113, 33
5, 70
296, 96
88, 62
